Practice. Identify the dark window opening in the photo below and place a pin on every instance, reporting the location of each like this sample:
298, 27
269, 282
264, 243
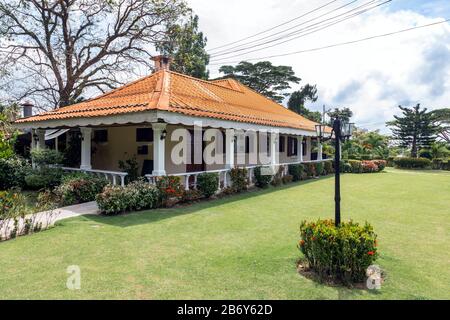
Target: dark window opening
282, 145
142, 150
144, 135
292, 149
100, 136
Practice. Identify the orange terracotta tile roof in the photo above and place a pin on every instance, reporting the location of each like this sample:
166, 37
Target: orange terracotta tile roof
225, 99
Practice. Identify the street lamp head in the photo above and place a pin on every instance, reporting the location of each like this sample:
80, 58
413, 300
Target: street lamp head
347, 129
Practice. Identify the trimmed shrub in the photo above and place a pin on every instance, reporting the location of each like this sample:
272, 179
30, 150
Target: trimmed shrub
141, 195
446, 165
296, 171
191, 195
46, 157
263, 176
320, 168
287, 179
12, 172
136, 196
44, 178
356, 166
412, 163
208, 183
79, 188
310, 170
328, 166
343, 253
239, 179
112, 200
437, 164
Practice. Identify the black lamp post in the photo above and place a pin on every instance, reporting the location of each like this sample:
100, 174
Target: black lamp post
342, 131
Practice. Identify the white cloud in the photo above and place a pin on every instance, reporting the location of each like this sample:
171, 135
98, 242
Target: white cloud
371, 77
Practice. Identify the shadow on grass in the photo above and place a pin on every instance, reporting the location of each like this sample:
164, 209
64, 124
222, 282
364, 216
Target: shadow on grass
151, 216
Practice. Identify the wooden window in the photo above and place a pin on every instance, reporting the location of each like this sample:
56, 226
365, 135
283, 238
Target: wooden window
101, 136
144, 135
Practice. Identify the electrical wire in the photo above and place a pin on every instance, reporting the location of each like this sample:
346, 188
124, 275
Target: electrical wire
339, 44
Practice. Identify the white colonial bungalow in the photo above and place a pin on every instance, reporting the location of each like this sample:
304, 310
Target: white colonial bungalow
136, 120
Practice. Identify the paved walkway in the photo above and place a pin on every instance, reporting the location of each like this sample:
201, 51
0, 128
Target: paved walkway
48, 218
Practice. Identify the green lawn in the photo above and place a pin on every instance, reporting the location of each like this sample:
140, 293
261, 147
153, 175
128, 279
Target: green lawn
242, 247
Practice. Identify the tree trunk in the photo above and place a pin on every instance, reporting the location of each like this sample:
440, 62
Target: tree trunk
414, 147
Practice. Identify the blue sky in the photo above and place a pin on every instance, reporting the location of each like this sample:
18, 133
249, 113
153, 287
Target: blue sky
373, 77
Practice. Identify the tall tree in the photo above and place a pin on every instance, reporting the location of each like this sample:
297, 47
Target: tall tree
344, 114
186, 45
442, 120
62, 48
297, 101
263, 77
414, 129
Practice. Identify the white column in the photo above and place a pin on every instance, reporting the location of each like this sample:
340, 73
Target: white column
159, 149
86, 134
229, 148
308, 148
300, 148
41, 139
319, 150
274, 154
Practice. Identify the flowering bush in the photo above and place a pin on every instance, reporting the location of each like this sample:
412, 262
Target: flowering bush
369, 167
112, 200
342, 254
136, 196
169, 187
239, 179
381, 164
208, 183
79, 188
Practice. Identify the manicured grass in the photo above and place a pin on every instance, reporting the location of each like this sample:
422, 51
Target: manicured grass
242, 247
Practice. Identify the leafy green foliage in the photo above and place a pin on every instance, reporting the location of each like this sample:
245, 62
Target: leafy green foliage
320, 168
415, 129
297, 101
46, 157
343, 253
262, 177
186, 45
208, 183
412, 163
263, 77
239, 179
130, 166
12, 172
344, 114
44, 178
79, 188
441, 118
296, 171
